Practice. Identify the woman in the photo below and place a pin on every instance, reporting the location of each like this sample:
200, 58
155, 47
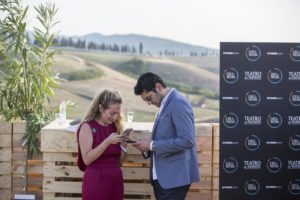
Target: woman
99, 150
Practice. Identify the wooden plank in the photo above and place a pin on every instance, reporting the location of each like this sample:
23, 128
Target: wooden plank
18, 181
215, 183
51, 170
50, 185
5, 127
203, 129
216, 156
216, 143
5, 140
5, 168
216, 129
215, 194
204, 157
58, 141
138, 188
215, 169
18, 168
199, 195
205, 183
5, 154
5, 194
135, 173
60, 156
19, 127
204, 143
5, 182
205, 169
136, 158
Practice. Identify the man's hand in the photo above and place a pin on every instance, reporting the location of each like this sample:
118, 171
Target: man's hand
143, 145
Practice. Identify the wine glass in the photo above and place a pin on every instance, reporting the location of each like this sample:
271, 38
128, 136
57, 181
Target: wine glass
130, 117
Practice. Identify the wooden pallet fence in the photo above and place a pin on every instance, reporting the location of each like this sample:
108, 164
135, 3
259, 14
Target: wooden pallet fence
5, 160
216, 154
62, 178
35, 166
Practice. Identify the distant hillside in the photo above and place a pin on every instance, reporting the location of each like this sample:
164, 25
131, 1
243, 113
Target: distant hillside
151, 45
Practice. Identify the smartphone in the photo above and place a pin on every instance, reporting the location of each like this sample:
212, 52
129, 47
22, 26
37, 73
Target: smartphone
130, 141
127, 132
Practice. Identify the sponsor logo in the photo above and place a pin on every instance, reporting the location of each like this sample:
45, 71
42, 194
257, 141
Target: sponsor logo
230, 98
274, 142
273, 187
293, 164
252, 187
274, 165
230, 165
231, 53
252, 98
252, 164
294, 186
230, 75
294, 142
253, 53
295, 54
294, 120
230, 120
252, 120
274, 53
252, 142
253, 75
229, 187
229, 142
274, 76
294, 76
274, 120
294, 98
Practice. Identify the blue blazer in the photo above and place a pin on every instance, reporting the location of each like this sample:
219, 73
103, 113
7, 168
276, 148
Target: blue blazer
175, 152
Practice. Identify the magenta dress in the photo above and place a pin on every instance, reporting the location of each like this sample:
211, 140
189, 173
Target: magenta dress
103, 179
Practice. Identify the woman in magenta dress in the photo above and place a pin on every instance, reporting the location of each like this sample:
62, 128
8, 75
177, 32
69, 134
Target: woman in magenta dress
99, 150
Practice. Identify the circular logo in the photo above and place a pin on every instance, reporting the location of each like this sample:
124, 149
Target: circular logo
275, 75
230, 75
252, 142
274, 120
230, 165
274, 165
295, 54
294, 142
252, 187
252, 98
294, 98
230, 120
294, 186
253, 53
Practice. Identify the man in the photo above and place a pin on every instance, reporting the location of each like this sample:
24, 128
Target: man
172, 148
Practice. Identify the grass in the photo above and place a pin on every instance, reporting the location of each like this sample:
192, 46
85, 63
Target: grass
83, 88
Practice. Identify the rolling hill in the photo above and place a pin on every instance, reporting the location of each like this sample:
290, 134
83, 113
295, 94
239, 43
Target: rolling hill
82, 91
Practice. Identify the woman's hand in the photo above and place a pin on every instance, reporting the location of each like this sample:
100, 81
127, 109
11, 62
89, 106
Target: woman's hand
114, 138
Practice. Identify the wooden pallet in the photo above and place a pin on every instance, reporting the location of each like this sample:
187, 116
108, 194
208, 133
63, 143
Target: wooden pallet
5, 160
62, 179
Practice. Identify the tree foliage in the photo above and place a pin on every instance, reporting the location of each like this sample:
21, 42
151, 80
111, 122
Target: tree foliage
27, 82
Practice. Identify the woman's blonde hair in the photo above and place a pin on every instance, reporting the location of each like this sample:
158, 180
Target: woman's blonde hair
103, 100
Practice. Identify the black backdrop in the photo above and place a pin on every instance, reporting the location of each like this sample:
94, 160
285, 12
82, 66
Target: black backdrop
259, 121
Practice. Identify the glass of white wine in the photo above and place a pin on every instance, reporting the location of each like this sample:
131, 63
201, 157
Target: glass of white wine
130, 115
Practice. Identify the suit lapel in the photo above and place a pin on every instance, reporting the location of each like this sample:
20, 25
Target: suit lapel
162, 111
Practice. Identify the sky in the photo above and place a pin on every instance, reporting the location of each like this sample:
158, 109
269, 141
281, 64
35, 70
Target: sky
197, 22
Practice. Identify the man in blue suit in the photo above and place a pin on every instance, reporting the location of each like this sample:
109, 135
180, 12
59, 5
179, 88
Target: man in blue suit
172, 147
